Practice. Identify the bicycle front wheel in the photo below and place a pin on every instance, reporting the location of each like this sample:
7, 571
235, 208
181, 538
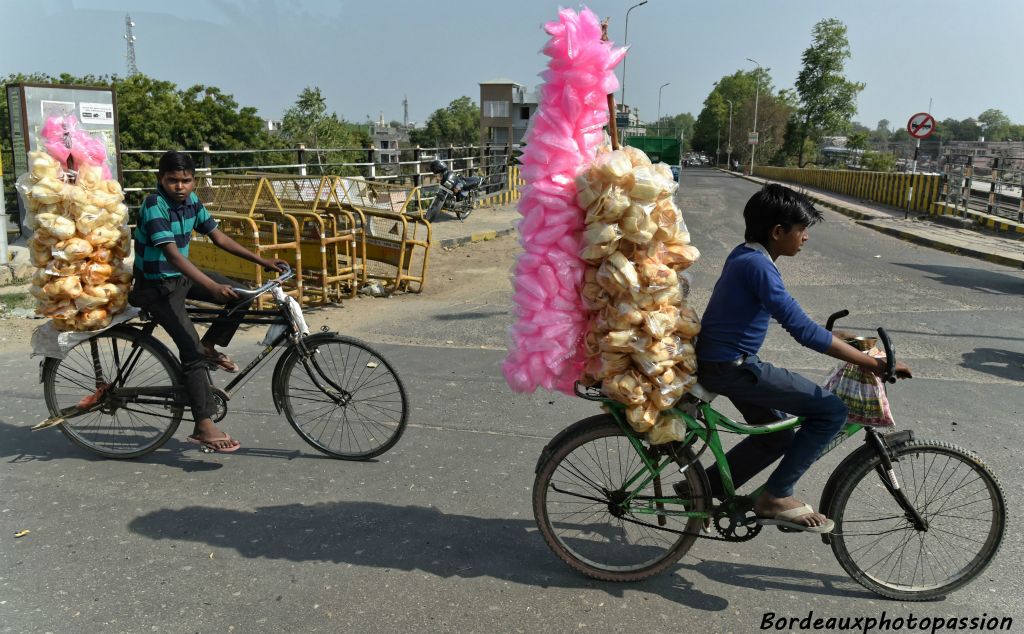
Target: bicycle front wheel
132, 416
345, 400
579, 502
956, 494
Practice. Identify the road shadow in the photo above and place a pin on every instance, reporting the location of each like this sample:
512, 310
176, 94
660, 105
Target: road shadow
411, 538
19, 444
1005, 364
991, 282
476, 314
765, 579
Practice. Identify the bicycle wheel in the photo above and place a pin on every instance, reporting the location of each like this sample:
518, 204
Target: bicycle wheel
954, 492
576, 503
364, 411
121, 426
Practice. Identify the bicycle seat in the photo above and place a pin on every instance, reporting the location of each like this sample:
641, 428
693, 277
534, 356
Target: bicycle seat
699, 392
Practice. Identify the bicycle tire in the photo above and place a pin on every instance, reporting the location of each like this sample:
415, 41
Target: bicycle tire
379, 392
935, 477
141, 429
574, 463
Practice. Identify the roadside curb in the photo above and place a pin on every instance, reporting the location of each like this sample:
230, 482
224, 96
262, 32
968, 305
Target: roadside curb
867, 220
907, 236
480, 236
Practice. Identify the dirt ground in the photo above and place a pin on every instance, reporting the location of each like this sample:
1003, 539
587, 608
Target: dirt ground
459, 280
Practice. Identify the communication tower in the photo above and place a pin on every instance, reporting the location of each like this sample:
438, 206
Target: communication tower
130, 39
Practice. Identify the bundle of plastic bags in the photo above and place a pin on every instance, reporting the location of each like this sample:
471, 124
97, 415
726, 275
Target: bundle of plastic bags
546, 340
80, 238
639, 340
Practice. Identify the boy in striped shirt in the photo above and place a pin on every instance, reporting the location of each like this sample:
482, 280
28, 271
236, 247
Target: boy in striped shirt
164, 278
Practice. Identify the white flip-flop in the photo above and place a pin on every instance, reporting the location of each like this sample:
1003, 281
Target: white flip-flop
784, 521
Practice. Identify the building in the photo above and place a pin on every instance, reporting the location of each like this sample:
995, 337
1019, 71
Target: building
627, 121
505, 111
387, 140
272, 125
982, 153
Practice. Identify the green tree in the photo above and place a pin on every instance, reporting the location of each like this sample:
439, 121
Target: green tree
994, 124
827, 99
879, 162
457, 124
678, 126
858, 142
331, 139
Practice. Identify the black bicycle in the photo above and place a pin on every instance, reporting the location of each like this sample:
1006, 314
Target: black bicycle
121, 393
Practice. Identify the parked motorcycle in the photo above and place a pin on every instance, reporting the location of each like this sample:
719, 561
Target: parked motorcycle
455, 193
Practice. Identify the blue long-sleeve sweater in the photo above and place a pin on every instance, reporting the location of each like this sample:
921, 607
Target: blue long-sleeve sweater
749, 291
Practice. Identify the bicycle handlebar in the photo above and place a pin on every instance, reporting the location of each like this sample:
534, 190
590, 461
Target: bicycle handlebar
255, 292
890, 356
890, 350
835, 317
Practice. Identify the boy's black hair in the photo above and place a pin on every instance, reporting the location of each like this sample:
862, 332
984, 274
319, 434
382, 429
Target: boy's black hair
776, 205
174, 161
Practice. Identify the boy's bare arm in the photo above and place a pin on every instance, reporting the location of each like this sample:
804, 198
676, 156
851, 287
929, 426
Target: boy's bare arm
226, 242
843, 351
223, 292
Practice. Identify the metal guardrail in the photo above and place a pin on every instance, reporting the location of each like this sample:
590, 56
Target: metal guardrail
995, 188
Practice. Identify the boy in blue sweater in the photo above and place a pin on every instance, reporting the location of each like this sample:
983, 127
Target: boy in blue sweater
748, 293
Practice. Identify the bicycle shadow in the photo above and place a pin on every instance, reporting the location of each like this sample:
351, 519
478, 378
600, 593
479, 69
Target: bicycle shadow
415, 538
19, 444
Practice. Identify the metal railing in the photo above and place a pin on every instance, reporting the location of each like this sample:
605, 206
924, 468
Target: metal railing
995, 188
490, 161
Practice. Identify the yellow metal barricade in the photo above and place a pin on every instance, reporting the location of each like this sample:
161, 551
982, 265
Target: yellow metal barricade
266, 228
396, 236
259, 236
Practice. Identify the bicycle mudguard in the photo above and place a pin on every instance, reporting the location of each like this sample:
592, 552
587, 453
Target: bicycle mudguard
277, 382
576, 427
862, 453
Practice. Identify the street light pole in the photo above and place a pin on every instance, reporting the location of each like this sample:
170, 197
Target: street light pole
625, 41
659, 106
728, 149
757, 91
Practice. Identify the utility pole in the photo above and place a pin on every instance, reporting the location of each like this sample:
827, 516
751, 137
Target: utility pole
757, 92
130, 39
728, 148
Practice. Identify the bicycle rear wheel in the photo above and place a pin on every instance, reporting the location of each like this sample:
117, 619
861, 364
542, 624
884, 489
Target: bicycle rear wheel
578, 503
124, 424
364, 411
952, 489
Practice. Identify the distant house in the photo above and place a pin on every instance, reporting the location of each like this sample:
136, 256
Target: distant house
505, 111
273, 125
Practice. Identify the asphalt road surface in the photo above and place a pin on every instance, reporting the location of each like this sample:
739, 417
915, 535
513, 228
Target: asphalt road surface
437, 535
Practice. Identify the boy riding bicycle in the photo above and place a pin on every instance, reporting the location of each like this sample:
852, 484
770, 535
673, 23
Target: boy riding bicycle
164, 278
749, 292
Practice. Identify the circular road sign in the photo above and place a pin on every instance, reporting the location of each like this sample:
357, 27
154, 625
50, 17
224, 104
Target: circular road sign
921, 125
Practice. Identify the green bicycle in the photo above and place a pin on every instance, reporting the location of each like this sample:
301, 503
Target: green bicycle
914, 519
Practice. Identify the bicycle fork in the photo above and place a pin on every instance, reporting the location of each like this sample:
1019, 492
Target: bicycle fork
888, 477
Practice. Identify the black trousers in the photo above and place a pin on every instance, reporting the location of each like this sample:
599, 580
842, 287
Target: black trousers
164, 300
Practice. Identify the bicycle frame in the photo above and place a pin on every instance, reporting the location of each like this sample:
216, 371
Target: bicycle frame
709, 433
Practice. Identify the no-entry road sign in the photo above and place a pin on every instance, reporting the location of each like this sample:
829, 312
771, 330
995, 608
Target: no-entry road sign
921, 125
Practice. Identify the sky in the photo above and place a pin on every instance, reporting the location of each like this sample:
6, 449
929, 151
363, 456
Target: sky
367, 56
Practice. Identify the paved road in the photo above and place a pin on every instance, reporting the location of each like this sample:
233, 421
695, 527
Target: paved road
437, 535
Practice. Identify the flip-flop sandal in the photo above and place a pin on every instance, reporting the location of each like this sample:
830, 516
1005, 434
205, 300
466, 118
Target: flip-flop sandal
784, 521
222, 361
210, 446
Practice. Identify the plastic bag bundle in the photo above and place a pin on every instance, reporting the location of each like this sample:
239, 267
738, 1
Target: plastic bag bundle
639, 340
80, 234
546, 340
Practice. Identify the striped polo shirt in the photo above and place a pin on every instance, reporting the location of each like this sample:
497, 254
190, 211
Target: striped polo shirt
162, 221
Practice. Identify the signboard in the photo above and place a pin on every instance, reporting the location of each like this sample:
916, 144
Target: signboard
30, 105
921, 125
753, 138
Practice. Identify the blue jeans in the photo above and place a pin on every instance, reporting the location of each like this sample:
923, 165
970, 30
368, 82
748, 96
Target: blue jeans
762, 392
